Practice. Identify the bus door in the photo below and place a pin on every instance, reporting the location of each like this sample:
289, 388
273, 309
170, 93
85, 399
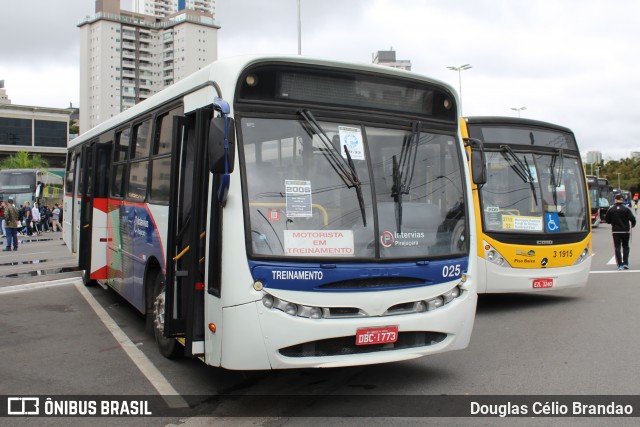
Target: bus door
72, 212
92, 240
187, 233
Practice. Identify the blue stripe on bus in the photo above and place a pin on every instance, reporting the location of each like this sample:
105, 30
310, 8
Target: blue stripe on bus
345, 277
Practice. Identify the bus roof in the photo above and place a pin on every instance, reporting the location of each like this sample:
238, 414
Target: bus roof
224, 73
499, 120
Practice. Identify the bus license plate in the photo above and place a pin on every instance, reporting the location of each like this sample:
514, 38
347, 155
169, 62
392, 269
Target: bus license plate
542, 283
382, 335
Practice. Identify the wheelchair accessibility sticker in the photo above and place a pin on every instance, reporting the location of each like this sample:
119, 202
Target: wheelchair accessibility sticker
553, 222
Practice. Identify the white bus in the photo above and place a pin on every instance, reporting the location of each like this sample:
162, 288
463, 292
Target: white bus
31, 185
283, 212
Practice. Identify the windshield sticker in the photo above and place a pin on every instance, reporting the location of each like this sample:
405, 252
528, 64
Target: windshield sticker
526, 223
335, 243
274, 215
553, 222
492, 216
389, 239
298, 198
351, 138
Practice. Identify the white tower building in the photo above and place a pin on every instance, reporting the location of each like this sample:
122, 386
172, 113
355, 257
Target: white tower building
162, 8
125, 57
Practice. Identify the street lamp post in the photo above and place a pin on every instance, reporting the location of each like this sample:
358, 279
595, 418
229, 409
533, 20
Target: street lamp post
518, 109
299, 31
618, 173
460, 69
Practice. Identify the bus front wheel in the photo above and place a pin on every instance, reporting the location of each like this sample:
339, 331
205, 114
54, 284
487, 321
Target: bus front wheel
169, 347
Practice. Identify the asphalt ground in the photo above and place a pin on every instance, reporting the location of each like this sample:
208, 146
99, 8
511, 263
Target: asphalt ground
39, 258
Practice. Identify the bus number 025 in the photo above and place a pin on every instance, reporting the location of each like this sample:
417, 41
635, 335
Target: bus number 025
451, 270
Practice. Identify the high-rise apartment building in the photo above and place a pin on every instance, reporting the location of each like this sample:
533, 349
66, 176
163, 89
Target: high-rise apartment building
594, 157
125, 57
162, 8
4, 99
388, 58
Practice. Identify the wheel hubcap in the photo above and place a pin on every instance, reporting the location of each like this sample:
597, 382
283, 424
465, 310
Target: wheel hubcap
158, 311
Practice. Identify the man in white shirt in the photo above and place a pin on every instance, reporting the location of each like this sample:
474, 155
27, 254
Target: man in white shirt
35, 218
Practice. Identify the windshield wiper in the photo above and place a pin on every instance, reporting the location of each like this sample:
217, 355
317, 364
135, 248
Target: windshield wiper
516, 164
346, 170
521, 169
402, 171
358, 187
557, 182
533, 187
337, 162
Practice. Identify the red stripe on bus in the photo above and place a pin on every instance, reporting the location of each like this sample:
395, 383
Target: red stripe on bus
101, 204
100, 274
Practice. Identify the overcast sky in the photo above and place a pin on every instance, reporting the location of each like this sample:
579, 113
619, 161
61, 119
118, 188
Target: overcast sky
574, 63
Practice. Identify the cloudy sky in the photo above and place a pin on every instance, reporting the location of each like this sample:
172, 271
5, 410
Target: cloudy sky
574, 63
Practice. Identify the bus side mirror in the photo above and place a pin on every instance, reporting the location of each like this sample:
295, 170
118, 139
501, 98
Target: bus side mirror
478, 161
216, 145
39, 188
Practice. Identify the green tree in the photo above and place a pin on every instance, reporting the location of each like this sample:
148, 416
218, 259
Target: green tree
24, 160
74, 127
629, 170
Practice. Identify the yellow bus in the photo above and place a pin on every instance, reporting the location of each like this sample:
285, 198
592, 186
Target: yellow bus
532, 213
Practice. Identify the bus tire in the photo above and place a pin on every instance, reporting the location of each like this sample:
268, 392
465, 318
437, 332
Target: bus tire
169, 347
86, 280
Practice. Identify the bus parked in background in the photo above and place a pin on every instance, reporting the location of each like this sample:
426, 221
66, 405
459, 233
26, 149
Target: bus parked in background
594, 200
606, 197
283, 212
32, 185
600, 197
533, 213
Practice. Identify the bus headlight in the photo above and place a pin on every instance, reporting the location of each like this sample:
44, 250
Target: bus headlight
584, 255
315, 313
449, 296
421, 307
291, 309
267, 301
434, 303
494, 257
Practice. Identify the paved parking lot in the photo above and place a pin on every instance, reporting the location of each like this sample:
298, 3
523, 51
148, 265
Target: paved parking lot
39, 258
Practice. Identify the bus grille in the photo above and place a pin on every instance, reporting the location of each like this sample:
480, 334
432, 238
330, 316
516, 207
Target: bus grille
347, 345
376, 282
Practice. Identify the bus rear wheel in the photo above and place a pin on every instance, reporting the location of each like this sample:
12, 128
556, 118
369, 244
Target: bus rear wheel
169, 347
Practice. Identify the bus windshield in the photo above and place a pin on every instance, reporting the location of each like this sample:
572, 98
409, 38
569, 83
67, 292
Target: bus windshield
22, 182
544, 197
402, 198
18, 185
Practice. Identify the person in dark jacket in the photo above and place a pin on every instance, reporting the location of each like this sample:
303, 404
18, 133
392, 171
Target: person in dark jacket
621, 220
11, 225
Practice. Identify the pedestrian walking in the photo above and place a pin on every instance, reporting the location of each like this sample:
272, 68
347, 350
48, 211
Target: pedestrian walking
45, 218
55, 218
27, 220
11, 216
622, 220
3, 206
35, 218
